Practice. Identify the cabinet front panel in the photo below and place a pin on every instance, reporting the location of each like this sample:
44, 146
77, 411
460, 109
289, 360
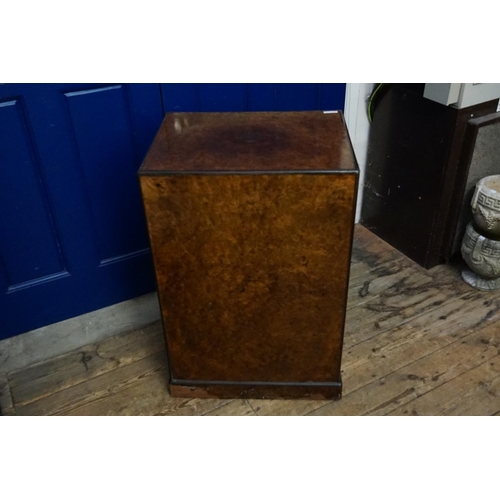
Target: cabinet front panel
252, 273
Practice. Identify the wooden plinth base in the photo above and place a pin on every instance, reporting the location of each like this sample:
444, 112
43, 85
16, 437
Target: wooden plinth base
248, 390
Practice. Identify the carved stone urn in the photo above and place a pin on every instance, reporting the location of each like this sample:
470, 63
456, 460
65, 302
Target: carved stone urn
486, 205
481, 243
482, 255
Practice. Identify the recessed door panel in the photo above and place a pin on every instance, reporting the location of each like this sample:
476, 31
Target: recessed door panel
29, 245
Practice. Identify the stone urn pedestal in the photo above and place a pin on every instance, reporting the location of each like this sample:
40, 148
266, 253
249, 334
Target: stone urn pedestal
482, 255
481, 243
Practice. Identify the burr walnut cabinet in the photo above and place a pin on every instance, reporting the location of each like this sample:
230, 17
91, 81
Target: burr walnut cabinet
250, 218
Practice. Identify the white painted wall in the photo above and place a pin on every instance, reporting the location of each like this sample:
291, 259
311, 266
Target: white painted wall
356, 117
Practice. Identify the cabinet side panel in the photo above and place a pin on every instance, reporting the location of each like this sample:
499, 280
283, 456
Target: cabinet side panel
252, 273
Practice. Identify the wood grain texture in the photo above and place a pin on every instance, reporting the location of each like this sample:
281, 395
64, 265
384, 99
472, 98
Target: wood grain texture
286, 408
252, 273
104, 386
238, 407
252, 270
418, 366
6, 403
474, 393
257, 141
60, 338
143, 393
91, 361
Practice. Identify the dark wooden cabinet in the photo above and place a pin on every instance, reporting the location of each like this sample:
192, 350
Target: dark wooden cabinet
417, 169
250, 217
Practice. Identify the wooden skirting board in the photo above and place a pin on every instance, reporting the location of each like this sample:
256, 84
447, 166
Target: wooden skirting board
53, 340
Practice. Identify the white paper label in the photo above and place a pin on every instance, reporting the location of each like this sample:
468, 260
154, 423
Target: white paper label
325, 112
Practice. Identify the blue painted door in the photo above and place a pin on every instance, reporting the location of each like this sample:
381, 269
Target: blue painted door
253, 96
72, 231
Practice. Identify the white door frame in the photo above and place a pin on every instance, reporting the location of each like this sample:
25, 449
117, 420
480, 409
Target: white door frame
356, 98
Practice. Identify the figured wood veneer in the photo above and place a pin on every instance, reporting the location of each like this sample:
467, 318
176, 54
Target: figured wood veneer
250, 217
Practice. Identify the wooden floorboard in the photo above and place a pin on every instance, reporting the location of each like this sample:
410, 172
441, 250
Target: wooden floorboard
443, 363
91, 361
239, 407
417, 342
6, 403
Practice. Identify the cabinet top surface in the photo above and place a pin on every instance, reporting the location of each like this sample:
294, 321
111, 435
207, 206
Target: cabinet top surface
250, 142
